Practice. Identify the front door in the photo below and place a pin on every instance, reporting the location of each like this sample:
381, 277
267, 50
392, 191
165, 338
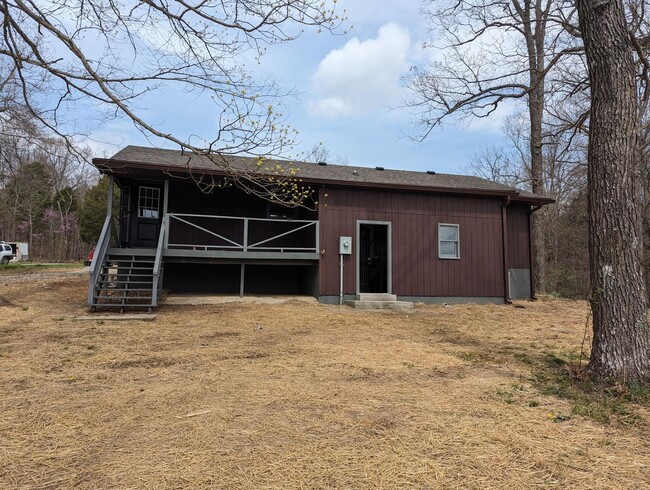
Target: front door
373, 257
146, 222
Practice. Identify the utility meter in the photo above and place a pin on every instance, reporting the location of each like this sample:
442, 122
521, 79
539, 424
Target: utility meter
345, 245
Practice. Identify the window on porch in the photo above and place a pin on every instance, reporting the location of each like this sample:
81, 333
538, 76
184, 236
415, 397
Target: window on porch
148, 202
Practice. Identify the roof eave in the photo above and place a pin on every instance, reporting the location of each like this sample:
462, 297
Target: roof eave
540, 200
110, 165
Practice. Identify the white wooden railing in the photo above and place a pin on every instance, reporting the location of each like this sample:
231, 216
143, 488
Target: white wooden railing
241, 241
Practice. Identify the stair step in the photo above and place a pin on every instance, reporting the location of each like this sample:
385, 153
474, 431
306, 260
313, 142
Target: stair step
147, 302
376, 297
125, 267
127, 262
116, 305
124, 282
125, 273
135, 258
380, 305
122, 289
121, 296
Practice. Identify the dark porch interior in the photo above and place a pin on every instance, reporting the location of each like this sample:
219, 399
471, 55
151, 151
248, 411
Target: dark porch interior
141, 213
284, 279
172, 235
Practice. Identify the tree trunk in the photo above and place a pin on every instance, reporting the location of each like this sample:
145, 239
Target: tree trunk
536, 112
621, 343
535, 34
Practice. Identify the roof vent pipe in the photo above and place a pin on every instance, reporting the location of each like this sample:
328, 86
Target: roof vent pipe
322, 163
379, 168
354, 172
431, 172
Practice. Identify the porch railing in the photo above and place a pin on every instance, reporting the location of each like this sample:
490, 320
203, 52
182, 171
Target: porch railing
157, 265
234, 233
98, 257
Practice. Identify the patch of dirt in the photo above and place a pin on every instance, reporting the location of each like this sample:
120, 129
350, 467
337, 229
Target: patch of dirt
217, 335
5, 302
13, 276
149, 362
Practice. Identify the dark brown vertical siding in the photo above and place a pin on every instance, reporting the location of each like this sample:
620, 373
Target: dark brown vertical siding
518, 238
414, 217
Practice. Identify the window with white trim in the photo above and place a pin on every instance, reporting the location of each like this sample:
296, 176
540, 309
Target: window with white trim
448, 241
148, 202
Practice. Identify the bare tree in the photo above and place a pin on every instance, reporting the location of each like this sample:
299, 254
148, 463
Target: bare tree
508, 163
110, 55
318, 153
564, 179
494, 52
621, 343
497, 164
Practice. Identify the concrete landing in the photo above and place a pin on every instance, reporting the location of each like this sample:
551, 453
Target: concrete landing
379, 301
118, 318
380, 305
376, 297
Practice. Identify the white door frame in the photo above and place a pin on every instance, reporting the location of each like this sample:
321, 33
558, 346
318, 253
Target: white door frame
389, 252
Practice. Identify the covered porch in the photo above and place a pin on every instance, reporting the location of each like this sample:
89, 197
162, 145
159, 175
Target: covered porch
173, 236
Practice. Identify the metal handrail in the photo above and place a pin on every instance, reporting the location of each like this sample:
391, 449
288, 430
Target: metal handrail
245, 245
157, 265
98, 257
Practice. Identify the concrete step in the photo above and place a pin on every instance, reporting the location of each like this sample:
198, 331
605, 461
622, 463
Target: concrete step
376, 297
380, 305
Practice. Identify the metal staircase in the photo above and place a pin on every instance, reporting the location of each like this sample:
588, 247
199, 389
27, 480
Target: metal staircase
127, 279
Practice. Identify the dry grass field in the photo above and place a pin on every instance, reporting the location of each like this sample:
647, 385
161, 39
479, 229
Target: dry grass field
318, 397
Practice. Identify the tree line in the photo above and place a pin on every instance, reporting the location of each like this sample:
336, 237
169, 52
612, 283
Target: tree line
49, 196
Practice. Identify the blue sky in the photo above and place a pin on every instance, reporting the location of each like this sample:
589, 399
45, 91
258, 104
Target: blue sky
348, 93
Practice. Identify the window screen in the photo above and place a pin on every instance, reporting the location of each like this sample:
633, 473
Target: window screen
448, 241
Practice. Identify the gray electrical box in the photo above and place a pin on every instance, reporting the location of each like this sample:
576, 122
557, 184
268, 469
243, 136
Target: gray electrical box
345, 245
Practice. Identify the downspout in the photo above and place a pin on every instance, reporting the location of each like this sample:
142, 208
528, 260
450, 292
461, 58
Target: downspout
504, 232
530, 252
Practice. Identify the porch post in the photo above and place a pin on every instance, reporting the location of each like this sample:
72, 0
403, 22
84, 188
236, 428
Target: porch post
165, 215
109, 201
242, 272
245, 236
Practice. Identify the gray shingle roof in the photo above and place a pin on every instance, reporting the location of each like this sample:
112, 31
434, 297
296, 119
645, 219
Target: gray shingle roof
136, 157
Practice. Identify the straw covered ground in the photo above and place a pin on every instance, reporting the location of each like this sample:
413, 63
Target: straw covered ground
299, 395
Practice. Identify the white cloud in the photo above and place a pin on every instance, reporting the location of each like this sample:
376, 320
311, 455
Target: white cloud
362, 75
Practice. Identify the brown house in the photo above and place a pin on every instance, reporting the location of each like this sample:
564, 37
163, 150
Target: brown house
421, 236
